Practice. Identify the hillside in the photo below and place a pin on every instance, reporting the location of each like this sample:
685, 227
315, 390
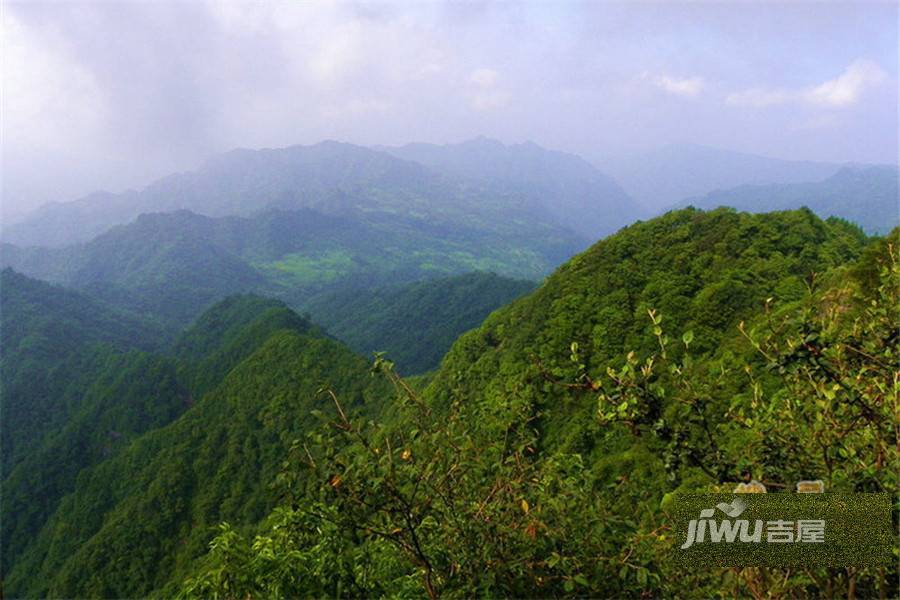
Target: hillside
54, 341
414, 324
867, 196
174, 265
548, 440
116, 395
704, 272
666, 358
99, 454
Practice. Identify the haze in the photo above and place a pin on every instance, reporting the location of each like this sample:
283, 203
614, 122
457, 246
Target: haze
112, 95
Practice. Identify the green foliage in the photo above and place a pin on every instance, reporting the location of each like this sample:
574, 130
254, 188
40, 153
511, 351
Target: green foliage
228, 333
457, 505
816, 398
122, 394
175, 265
703, 271
129, 394
220, 326
481, 493
138, 519
414, 324
54, 342
686, 353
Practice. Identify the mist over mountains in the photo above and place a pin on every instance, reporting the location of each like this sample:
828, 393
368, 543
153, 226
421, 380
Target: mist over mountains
474, 182
343, 179
661, 178
867, 196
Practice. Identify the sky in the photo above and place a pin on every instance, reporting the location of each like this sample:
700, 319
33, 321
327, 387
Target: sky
111, 95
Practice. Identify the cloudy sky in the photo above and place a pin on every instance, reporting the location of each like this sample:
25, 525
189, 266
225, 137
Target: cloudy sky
109, 95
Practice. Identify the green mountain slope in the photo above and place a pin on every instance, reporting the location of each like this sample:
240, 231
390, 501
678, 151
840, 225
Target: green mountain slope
134, 521
125, 393
703, 271
414, 324
540, 457
683, 354
128, 394
174, 265
867, 196
54, 341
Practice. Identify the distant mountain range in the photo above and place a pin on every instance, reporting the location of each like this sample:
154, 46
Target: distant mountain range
173, 265
663, 177
440, 184
569, 189
303, 221
867, 196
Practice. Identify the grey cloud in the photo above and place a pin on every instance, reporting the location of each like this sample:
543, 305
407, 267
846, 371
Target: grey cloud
120, 93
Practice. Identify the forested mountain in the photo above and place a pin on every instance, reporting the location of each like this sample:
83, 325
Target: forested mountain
173, 265
663, 177
239, 182
414, 324
546, 449
77, 382
569, 189
54, 341
359, 183
126, 393
704, 272
136, 521
540, 457
867, 196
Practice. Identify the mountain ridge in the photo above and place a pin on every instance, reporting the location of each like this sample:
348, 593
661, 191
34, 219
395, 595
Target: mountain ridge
666, 176
241, 182
868, 196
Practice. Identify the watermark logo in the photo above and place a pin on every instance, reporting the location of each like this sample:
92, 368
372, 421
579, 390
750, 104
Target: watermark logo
804, 529
730, 531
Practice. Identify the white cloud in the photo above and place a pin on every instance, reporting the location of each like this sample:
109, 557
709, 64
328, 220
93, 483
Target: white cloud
687, 86
48, 99
760, 97
338, 55
849, 87
845, 90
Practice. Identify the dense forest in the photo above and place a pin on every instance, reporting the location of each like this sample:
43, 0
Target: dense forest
415, 324
252, 453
